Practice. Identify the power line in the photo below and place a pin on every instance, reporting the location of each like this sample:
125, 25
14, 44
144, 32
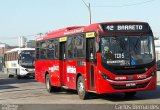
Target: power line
125, 5
15, 37
6, 38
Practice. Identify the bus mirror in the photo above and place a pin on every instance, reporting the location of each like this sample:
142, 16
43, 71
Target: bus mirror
97, 47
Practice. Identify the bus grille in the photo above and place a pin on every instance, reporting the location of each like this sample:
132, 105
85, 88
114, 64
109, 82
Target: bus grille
129, 71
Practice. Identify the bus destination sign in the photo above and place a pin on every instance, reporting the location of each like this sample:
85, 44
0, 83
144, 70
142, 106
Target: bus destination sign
127, 27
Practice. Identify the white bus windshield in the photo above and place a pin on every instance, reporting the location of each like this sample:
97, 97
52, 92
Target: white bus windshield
26, 58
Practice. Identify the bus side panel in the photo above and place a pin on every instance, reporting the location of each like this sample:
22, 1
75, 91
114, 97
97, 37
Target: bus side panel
54, 70
71, 73
82, 69
50, 66
11, 67
73, 68
39, 67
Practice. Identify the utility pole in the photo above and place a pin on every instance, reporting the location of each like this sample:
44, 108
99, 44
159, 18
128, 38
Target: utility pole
89, 9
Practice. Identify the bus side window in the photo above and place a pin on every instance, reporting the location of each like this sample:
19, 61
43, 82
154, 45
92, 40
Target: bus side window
37, 50
70, 48
16, 55
79, 48
51, 50
56, 50
43, 50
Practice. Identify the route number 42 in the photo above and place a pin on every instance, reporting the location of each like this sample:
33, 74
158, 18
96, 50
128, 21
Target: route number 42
110, 28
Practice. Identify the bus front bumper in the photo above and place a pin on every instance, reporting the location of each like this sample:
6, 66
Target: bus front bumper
27, 72
111, 86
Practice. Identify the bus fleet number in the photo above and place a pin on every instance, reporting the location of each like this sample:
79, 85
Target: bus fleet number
119, 55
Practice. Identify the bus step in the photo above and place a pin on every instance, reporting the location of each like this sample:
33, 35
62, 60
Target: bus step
65, 87
92, 91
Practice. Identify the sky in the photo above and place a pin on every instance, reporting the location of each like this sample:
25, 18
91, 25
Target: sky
30, 17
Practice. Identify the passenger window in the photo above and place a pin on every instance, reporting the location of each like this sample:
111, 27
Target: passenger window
79, 48
51, 50
43, 50
37, 50
56, 50
70, 47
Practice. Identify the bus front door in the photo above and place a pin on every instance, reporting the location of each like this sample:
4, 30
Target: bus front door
90, 65
62, 56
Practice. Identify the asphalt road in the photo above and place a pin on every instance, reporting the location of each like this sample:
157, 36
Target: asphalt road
29, 91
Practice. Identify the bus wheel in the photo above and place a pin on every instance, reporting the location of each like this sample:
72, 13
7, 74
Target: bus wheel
49, 87
130, 94
81, 89
10, 76
19, 77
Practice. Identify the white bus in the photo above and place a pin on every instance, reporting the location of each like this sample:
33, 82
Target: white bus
19, 62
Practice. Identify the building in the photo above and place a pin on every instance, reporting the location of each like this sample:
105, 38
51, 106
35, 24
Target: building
31, 44
22, 41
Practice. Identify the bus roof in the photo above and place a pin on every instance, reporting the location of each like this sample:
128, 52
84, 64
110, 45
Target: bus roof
19, 49
79, 29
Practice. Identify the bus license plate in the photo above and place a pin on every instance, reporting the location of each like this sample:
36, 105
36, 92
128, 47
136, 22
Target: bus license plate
130, 84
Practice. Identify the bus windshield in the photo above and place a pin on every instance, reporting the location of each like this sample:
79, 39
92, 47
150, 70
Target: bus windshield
27, 58
127, 50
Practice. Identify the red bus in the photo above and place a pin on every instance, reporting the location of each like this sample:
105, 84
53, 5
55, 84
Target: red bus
108, 57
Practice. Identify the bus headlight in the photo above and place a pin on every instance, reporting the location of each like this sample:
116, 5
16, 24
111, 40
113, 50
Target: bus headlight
104, 76
26, 70
23, 69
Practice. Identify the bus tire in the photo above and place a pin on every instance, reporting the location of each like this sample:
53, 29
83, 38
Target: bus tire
81, 89
19, 77
49, 87
130, 94
10, 76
